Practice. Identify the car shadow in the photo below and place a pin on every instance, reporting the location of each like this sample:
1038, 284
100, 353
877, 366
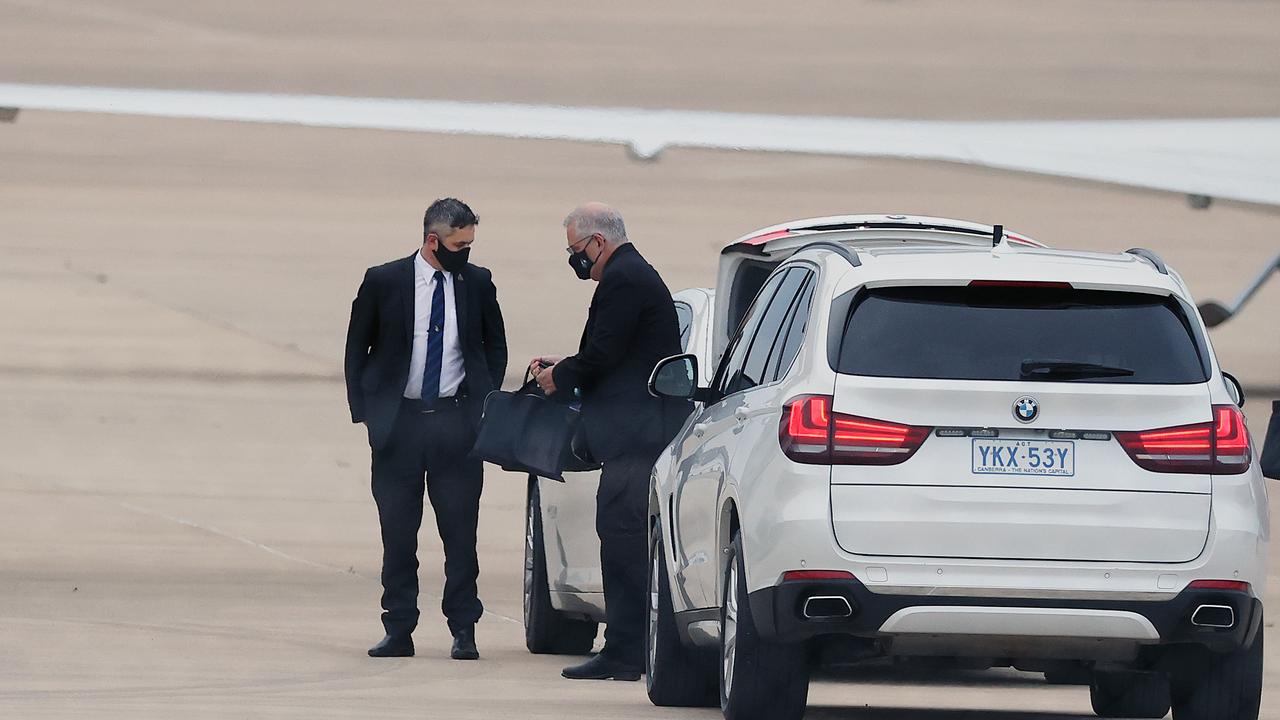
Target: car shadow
831, 712
883, 674
890, 675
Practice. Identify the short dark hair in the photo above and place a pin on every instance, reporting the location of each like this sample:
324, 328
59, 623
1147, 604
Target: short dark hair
447, 213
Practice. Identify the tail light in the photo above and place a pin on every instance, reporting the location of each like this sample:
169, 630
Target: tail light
811, 433
1221, 446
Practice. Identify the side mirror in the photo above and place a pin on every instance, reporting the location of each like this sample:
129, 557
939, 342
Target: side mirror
1234, 388
675, 377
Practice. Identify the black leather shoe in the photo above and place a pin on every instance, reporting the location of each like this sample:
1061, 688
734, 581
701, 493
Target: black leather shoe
600, 667
393, 646
464, 646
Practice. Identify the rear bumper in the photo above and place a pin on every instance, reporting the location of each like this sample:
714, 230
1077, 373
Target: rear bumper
779, 615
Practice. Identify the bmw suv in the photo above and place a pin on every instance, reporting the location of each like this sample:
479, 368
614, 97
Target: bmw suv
934, 440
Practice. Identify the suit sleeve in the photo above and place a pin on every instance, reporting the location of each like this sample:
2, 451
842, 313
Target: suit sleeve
494, 334
361, 331
617, 315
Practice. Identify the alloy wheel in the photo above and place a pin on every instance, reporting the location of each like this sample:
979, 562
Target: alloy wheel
528, 564
654, 569
729, 633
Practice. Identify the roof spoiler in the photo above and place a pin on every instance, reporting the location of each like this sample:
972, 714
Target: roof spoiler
756, 243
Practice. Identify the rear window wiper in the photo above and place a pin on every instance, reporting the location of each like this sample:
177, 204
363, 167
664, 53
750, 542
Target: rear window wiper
1068, 370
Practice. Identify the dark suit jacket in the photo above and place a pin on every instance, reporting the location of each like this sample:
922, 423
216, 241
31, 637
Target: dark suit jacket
630, 327
380, 343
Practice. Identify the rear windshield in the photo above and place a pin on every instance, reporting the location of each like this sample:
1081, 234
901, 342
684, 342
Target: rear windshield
1004, 333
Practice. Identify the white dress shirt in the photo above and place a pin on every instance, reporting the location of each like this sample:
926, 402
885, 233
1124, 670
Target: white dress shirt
451, 370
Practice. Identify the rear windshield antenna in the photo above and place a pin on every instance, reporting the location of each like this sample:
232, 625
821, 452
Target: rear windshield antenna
997, 232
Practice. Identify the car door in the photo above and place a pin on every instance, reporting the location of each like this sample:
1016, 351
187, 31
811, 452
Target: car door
684, 317
713, 439
695, 338
569, 511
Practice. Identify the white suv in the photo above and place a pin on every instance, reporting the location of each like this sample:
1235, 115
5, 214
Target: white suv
563, 590
934, 441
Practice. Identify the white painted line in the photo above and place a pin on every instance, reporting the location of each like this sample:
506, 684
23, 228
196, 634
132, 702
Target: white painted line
222, 533
268, 549
1232, 159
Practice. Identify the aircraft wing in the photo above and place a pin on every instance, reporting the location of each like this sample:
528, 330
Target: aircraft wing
1235, 159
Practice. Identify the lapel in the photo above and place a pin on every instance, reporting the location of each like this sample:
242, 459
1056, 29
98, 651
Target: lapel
460, 305
408, 280
591, 322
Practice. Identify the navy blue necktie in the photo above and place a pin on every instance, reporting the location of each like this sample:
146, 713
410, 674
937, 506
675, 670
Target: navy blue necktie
435, 344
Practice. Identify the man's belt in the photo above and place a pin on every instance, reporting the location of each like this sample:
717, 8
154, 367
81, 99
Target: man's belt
444, 403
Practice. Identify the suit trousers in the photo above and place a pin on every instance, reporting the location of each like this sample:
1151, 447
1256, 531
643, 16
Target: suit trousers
435, 444
622, 509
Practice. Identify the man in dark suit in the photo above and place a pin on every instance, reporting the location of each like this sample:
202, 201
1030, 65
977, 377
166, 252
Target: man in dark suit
630, 327
425, 345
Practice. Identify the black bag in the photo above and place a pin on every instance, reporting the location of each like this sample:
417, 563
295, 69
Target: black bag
525, 431
1270, 461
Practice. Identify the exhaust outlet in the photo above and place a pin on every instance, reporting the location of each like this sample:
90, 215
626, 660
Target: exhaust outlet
823, 607
1214, 616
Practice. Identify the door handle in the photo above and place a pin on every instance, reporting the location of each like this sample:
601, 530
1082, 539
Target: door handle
740, 414
700, 429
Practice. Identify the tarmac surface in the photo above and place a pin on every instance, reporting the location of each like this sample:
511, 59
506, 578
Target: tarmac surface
185, 522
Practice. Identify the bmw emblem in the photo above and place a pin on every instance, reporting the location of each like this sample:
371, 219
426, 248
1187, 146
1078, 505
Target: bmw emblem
1026, 409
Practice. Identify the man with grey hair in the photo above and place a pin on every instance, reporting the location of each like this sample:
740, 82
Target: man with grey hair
630, 327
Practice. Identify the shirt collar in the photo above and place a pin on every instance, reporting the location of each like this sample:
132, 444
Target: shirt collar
623, 249
425, 269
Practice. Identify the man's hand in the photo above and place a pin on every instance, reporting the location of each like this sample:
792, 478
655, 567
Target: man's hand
546, 379
538, 363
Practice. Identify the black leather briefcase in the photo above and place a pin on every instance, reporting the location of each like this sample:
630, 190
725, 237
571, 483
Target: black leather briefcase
526, 431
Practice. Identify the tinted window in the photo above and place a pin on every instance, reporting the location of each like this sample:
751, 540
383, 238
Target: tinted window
731, 368
684, 316
748, 279
788, 345
1000, 333
755, 366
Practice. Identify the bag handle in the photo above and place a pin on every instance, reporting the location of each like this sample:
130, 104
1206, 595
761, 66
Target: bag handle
530, 383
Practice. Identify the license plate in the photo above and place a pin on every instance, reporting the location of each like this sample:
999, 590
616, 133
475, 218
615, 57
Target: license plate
1024, 457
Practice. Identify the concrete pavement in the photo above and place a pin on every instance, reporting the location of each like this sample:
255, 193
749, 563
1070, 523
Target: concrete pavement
185, 524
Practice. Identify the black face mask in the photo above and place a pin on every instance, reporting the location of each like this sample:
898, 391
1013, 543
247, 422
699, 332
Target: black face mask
451, 260
581, 264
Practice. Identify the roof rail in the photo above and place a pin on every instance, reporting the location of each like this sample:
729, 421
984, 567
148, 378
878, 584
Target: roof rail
843, 251
1150, 257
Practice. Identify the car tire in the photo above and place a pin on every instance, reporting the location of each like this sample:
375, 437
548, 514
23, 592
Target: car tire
759, 680
546, 630
1221, 686
1129, 694
676, 675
